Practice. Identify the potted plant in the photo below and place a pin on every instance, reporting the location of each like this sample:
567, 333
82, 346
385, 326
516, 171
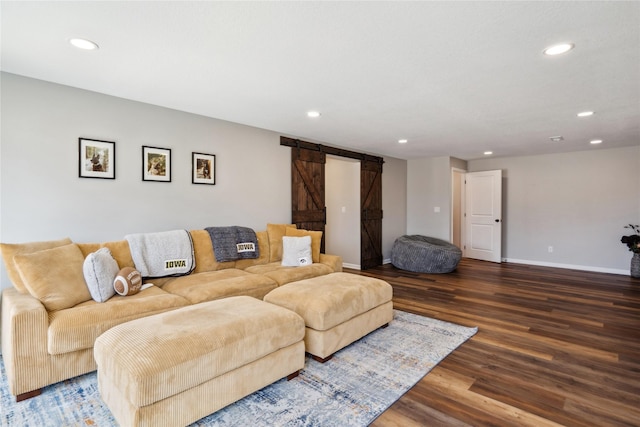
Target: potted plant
633, 243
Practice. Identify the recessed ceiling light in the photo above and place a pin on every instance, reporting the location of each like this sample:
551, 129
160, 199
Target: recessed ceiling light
596, 141
403, 141
488, 153
313, 114
84, 44
558, 49
586, 114
556, 138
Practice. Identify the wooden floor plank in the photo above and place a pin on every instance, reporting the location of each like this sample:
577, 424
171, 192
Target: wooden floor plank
554, 347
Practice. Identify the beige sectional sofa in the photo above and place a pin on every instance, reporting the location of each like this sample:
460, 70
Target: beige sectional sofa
50, 338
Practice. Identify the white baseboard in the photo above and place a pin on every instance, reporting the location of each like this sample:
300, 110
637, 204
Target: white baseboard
351, 266
528, 262
569, 266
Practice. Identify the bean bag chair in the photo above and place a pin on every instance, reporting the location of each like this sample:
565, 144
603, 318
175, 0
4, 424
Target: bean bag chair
423, 254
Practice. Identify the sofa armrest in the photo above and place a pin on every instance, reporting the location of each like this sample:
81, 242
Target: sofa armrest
333, 261
24, 341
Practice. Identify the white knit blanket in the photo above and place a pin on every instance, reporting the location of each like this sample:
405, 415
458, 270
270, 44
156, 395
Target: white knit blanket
161, 254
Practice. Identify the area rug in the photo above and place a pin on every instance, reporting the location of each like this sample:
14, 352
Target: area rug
352, 389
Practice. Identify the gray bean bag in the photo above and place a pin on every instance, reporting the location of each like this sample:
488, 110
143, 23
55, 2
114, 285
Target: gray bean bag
425, 254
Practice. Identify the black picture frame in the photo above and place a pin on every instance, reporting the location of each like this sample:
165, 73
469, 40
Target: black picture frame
156, 164
96, 158
203, 168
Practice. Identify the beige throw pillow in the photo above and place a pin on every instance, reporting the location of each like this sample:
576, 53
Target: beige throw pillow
54, 276
10, 250
276, 232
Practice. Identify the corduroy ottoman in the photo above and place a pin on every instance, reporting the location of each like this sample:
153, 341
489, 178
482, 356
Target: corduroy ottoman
338, 309
173, 368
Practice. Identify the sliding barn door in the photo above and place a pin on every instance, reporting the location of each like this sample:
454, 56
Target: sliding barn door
370, 214
308, 209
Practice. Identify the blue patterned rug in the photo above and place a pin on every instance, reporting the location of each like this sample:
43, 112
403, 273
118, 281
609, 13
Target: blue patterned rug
352, 389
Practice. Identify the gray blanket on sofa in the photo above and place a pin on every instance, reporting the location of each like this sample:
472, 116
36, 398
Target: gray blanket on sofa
233, 243
161, 254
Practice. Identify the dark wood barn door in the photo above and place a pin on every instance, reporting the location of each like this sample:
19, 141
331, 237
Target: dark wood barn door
370, 214
308, 208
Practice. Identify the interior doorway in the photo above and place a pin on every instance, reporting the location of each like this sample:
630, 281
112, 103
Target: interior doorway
342, 192
457, 206
476, 213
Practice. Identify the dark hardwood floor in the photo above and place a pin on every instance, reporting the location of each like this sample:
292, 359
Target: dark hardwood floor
554, 347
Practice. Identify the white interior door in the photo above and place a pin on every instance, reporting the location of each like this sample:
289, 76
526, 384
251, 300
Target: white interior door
483, 215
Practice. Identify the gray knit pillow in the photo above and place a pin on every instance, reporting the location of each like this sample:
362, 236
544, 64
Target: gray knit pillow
100, 269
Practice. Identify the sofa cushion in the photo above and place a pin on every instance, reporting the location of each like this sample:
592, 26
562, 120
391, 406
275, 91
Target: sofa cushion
316, 240
203, 249
296, 251
88, 248
54, 276
77, 328
282, 275
121, 252
10, 250
276, 232
100, 268
214, 285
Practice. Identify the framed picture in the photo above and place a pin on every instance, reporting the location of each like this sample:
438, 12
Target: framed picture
96, 159
203, 168
156, 164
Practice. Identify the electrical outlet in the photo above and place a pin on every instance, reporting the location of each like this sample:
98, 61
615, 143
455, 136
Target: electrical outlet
550, 249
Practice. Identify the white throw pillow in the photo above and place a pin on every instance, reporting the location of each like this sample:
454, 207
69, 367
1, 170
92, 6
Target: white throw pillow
296, 251
100, 268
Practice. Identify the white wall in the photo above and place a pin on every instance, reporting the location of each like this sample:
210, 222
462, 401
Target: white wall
429, 187
576, 202
342, 197
394, 203
42, 197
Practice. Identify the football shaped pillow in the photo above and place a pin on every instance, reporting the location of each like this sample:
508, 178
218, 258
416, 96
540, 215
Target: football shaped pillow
128, 281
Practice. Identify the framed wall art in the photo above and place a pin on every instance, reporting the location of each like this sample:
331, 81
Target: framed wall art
156, 164
203, 168
96, 159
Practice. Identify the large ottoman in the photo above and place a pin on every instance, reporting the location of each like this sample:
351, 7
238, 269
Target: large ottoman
174, 368
338, 309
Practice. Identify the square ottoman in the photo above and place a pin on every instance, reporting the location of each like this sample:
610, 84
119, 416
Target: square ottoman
176, 367
338, 309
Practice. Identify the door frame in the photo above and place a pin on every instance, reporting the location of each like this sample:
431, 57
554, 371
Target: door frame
461, 210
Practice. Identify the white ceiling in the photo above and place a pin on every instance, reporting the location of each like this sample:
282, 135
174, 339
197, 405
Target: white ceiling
454, 78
